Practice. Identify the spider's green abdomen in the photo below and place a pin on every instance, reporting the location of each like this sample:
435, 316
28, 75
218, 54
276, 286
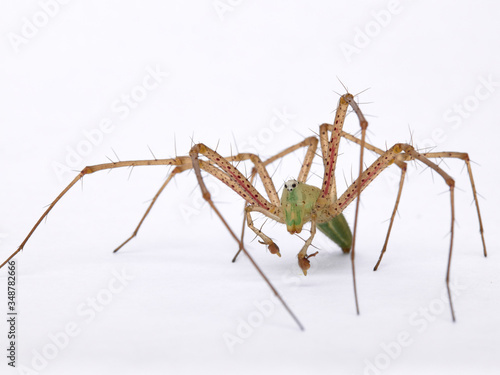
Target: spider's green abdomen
338, 231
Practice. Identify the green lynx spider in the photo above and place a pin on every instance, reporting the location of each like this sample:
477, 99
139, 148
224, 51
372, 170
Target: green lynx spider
300, 203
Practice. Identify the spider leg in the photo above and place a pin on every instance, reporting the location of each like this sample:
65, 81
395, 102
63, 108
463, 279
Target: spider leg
222, 169
403, 166
260, 168
177, 170
444, 154
91, 169
239, 157
394, 211
330, 153
399, 161
451, 183
228, 174
273, 248
465, 157
389, 157
312, 144
252, 178
303, 257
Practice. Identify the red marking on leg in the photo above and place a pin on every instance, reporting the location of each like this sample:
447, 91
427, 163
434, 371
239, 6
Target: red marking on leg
330, 165
242, 185
364, 182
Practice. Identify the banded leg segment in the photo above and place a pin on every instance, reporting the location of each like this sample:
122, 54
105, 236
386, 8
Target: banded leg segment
330, 149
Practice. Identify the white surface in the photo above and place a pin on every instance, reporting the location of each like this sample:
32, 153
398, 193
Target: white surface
228, 77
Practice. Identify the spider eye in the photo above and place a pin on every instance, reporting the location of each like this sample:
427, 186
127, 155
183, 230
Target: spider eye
286, 186
294, 185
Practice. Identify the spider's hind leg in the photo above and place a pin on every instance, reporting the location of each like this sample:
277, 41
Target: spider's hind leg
177, 170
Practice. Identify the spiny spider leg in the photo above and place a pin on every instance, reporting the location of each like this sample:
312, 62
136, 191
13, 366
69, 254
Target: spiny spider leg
233, 178
183, 163
300, 202
273, 248
399, 161
389, 157
312, 144
171, 175
91, 169
403, 166
178, 170
330, 153
238, 183
252, 179
394, 211
239, 179
465, 157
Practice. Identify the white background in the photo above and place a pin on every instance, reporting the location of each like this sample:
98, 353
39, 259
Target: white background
230, 70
